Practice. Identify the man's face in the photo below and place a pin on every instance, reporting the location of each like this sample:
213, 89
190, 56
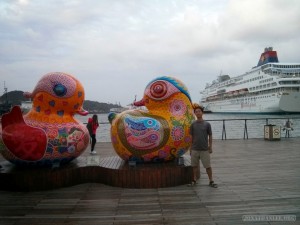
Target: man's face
198, 113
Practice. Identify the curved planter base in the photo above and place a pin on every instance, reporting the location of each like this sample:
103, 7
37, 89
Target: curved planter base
111, 171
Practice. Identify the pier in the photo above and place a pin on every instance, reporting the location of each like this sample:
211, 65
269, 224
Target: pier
256, 177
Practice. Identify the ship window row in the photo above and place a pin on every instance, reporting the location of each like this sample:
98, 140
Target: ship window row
250, 80
263, 86
290, 82
286, 66
292, 74
286, 73
253, 98
297, 66
266, 80
229, 82
276, 90
257, 78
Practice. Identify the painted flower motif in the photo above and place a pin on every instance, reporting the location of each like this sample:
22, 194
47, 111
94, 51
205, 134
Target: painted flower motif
147, 158
178, 107
177, 133
114, 139
52, 134
71, 149
167, 148
180, 152
162, 154
188, 139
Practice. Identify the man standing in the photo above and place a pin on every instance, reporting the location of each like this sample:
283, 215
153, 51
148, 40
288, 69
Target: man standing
201, 145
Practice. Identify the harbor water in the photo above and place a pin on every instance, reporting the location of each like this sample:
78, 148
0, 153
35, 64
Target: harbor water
234, 125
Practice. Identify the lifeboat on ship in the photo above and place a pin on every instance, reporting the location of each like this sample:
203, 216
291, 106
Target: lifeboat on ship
243, 91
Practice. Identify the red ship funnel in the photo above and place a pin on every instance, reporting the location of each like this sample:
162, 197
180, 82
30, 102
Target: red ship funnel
268, 56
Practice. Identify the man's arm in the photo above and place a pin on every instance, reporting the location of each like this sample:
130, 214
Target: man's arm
210, 143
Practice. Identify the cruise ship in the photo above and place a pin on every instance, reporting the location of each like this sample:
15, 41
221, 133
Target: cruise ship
269, 87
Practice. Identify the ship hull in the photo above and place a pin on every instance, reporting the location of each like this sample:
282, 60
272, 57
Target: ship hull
290, 102
274, 103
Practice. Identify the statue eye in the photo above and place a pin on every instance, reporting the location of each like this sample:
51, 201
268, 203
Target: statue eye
158, 89
60, 90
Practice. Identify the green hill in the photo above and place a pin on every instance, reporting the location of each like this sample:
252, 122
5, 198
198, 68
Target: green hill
13, 97
98, 107
16, 98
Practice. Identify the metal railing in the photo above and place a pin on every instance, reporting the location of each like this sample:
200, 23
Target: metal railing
245, 126
223, 129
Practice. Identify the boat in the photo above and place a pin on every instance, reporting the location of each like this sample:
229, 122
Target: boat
26, 106
269, 87
118, 110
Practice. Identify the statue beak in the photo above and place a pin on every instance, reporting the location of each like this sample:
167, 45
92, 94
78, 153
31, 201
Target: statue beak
82, 112
139, 103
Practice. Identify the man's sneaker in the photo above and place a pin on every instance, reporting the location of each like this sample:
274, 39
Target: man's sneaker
93, 152
213, 184
193, 183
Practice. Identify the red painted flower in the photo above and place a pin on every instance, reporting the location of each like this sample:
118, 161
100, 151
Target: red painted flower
177, 133
177, 107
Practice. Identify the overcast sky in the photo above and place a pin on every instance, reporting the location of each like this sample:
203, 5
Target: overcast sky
115, 47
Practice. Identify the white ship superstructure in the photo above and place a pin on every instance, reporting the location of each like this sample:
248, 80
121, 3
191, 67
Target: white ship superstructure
270, 87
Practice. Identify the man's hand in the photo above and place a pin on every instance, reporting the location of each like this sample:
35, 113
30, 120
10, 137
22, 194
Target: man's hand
209, 149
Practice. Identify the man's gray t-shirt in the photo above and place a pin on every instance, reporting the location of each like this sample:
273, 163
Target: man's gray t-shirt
200, 131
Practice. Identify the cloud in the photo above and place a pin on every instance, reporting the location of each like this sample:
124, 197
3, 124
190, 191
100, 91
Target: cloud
261, 20
116, 47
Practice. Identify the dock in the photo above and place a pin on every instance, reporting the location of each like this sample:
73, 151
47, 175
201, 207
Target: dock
258, 183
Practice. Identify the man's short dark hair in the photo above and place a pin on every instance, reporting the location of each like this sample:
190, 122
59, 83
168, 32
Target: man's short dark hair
199, 107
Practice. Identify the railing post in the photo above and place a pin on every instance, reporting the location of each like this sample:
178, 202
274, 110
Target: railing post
223, 130
245, 129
